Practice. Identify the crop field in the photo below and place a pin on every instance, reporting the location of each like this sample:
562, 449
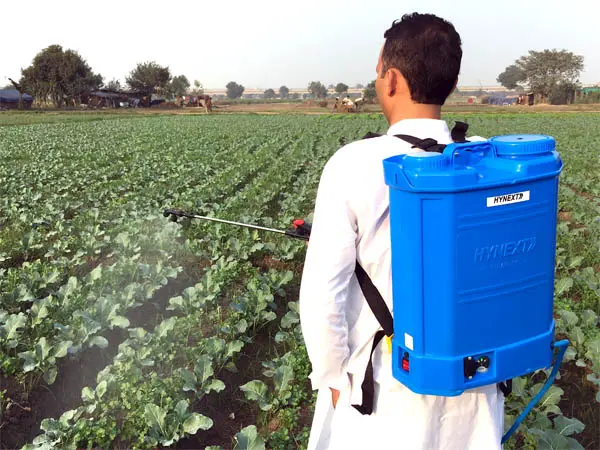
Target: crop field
122, 330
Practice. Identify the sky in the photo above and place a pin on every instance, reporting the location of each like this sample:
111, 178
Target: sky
267, 43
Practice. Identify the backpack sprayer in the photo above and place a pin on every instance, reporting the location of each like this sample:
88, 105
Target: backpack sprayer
473, 239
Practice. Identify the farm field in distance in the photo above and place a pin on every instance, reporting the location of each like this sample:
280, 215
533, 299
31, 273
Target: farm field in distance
120, 329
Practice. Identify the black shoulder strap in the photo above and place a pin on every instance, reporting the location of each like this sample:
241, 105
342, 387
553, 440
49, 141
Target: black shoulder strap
386, 321
428, 145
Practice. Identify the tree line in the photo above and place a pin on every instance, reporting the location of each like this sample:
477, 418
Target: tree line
62, 77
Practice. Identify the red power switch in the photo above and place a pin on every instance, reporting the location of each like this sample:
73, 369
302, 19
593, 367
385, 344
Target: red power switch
298, 223
405, 363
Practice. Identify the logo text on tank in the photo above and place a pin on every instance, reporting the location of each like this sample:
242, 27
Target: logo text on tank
507, 199
504, 249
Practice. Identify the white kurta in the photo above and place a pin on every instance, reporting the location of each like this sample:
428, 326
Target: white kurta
351, 221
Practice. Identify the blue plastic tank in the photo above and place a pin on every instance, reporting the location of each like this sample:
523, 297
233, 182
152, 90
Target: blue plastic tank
473, 238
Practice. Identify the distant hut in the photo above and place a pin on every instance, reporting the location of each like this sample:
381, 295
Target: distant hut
9, 99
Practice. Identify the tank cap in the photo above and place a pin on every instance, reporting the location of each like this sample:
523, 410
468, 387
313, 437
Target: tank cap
425, 161
523, 144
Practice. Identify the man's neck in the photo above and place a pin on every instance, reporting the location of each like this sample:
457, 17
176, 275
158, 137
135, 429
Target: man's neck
415, 111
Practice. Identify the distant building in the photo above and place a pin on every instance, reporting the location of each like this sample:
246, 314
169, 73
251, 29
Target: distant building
9, 99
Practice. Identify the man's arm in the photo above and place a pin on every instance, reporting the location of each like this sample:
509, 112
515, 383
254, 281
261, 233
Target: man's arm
328, 268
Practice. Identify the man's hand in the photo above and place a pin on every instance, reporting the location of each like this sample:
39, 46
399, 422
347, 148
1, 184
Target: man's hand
335, 395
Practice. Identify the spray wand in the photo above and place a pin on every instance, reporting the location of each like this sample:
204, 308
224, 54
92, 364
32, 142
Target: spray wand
300, 230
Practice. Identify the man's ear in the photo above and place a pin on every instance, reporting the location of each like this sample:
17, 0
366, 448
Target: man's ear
391, 81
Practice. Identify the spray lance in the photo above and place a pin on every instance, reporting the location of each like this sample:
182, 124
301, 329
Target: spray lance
302, 229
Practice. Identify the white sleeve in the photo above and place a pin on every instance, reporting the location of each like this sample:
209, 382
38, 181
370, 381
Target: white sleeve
328, 269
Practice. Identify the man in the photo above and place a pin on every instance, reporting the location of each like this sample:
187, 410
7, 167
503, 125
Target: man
417, 70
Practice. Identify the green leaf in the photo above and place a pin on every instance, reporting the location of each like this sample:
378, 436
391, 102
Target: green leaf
281, 336
62, 348
241, 326
541, 422
575, 262
189, 379
42, 349
11, 327
176, 303
66, 417
593, 350
50, 375
98, 341
233, 348
567, 426
29, 361
563, 286
155, 416
570, 354
165, 326
518, 386
101, 388
550, 440
569, 317
269, 316
95, 274
255, 390
87, 395
577, 337
119, 322
50, 425
283, 376
197, 422
589, 318
249, 439
572, 444
181, 409
204, 368
290, 319
214, 385
552, 397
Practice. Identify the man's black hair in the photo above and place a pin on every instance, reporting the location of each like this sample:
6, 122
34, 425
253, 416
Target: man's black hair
427, 51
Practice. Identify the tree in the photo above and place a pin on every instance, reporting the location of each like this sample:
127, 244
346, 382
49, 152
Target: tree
147, 78
295, 96
234, 90
113, 85
198, 88
563, 93
317, 89
359, 86
179, 85
269, 93
341, 88
58, 76
370, 93
549, 70
284, 92
511, 77
330, 86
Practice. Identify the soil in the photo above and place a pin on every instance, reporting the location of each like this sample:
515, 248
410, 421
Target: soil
579, 401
